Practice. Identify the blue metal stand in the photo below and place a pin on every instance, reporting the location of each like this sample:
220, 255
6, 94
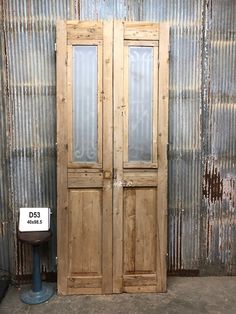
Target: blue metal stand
39, 292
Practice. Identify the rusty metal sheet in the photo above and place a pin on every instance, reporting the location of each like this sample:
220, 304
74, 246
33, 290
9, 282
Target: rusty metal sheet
218, 224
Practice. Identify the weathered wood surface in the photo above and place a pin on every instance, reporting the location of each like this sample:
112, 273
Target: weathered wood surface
115, 218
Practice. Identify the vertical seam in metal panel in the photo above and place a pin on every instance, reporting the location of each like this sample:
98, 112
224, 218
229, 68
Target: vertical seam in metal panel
204, 123
6, 104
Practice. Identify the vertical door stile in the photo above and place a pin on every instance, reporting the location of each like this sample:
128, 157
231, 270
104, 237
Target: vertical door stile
118, 157
107, 95
162, 155
62, 142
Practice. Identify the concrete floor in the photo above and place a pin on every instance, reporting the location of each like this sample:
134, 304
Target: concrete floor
185, 295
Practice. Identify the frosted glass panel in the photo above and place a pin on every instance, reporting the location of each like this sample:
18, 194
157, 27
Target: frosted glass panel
85, 104
140, 103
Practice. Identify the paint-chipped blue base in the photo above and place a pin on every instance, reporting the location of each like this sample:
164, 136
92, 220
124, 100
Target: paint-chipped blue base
31, 297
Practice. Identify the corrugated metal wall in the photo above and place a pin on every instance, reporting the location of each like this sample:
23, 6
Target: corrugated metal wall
4, 212
202, 126
218, 235
29, 36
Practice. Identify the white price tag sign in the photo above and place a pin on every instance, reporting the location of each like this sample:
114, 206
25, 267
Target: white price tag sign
34, 219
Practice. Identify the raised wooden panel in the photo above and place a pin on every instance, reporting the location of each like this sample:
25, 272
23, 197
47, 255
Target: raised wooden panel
139, 230
85, 218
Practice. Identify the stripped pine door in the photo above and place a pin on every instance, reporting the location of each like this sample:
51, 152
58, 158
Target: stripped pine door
84, 135
112, 112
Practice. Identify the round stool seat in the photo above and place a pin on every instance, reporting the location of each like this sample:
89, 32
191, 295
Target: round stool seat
34, 237
40, 292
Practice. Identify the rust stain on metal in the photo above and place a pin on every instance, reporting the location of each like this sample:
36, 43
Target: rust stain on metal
212, 185
229, 190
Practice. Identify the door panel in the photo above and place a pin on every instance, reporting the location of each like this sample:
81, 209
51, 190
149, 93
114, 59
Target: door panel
140, 108
112, 109
85, 227
84, 133
139, 230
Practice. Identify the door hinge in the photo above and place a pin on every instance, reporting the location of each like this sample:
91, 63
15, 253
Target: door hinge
55, 47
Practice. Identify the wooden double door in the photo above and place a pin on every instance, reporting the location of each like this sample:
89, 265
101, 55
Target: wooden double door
112, 113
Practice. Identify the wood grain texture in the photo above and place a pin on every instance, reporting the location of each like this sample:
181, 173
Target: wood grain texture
85, 231
118, 158
129, 230
145, 242
140, 178
83, 291
141, 31
139, 289
85, 180
162, 149
139, 230
77, 30
62, 144
107, 98
137, 280
85, 282
112, 236
88, 230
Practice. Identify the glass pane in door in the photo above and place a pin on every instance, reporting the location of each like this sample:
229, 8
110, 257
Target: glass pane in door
140, 98
85, 122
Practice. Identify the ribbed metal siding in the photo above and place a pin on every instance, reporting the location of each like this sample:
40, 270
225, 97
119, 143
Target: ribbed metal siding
29, 30
201, 127
4, 213
219, 186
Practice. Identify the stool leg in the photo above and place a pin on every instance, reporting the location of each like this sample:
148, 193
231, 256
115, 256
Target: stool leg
37, 282
39, 292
